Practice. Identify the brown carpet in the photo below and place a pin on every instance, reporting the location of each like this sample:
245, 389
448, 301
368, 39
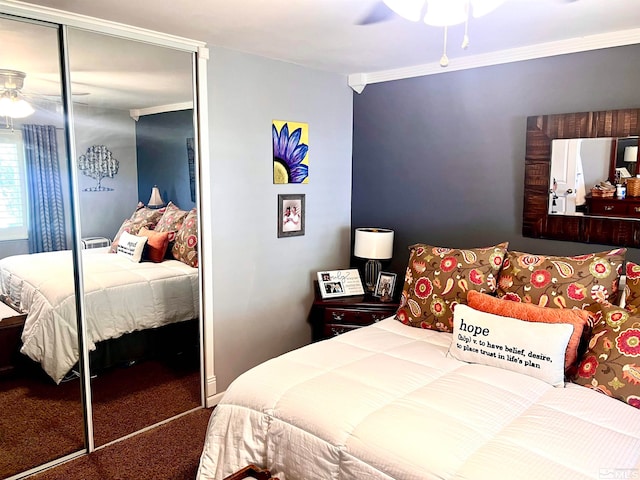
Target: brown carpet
168, 452
41, 421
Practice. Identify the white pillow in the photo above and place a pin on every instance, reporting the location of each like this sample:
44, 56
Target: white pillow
131, 246
533, 348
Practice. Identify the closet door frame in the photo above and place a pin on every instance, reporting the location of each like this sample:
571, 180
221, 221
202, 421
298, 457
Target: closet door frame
200, 53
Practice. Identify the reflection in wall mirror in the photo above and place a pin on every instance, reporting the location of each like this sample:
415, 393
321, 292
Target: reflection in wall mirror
625, 157
577, 164
584, 175
608, 221
133, 121
41, 420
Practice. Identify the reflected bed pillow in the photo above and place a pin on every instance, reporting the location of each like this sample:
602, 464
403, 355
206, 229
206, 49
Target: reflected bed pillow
531, 348
131, 246
147, 216
170, 222
185, 247
157, 243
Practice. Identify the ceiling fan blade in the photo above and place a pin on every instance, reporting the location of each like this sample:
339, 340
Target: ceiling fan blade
378, 13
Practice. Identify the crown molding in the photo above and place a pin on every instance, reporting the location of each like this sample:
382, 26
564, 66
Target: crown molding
52, 15
136, 113
357, 81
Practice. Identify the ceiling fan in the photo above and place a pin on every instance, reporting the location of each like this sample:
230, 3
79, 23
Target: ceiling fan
12, 104
17, 102
437, 13
383, 10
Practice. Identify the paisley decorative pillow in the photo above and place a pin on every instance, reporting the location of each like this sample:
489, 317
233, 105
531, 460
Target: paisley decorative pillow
562, 282
632, 287
148, 216
170, 222
438, 279
611, 365
185, 247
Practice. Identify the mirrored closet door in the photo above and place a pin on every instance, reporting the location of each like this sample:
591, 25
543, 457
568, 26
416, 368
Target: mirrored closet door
134, 130
99, 230
42, 417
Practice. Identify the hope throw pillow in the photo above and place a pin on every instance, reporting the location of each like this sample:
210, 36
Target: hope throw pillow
534, 349
131, 246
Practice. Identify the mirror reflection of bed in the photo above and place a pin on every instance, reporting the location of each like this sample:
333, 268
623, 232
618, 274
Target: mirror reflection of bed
141, 317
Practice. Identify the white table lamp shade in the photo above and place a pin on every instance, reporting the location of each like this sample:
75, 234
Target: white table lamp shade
373, 243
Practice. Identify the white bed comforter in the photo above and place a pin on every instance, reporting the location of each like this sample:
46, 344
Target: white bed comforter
120, 297
386, 402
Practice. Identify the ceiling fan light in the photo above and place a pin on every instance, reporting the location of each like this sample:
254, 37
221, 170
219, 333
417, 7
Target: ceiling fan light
409, 9
445, 13
20, 108
11, 105
482, 7
5, 106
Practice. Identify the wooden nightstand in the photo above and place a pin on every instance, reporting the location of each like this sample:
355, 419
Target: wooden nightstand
11, 324
333, 316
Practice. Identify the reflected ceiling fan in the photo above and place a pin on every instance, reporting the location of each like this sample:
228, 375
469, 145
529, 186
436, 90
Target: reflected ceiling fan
16, 103
12, 103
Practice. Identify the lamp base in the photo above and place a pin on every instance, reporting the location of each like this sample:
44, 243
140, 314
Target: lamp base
371, 270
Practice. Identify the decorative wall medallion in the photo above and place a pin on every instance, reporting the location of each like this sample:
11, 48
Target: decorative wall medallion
98, 163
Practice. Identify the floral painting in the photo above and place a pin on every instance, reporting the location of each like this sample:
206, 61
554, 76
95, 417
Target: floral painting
290, 152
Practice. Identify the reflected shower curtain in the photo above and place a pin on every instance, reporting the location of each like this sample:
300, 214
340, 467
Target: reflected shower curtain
46, 209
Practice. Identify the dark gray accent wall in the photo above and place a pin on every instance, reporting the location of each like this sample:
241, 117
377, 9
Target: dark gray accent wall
440, 159
161, 148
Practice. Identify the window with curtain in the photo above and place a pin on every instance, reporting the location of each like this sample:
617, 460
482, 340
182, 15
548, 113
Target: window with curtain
13, 187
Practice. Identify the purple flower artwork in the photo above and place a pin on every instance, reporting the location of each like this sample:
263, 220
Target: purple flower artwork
290, 152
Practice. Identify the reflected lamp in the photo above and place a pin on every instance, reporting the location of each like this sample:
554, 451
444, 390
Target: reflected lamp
373, 244
631, 157
155, 201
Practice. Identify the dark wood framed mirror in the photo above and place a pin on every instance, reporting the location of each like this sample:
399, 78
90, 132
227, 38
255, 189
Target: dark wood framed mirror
541, 131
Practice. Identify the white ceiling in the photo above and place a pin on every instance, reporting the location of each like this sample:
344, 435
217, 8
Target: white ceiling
323, 34
326, 35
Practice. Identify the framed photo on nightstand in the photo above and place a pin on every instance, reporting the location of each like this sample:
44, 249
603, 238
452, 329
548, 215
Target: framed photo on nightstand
340, 283
385, 285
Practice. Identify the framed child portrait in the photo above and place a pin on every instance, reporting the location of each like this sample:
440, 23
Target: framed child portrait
291, 213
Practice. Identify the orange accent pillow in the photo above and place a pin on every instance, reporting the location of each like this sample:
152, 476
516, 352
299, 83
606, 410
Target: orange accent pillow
157, 244
580, 319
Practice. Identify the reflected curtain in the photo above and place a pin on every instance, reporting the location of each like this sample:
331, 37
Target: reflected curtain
46, 208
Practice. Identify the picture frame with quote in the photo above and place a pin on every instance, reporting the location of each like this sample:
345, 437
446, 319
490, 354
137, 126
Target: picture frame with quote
340, 283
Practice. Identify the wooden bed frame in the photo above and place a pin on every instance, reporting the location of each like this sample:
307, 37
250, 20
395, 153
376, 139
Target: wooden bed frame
251, 471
